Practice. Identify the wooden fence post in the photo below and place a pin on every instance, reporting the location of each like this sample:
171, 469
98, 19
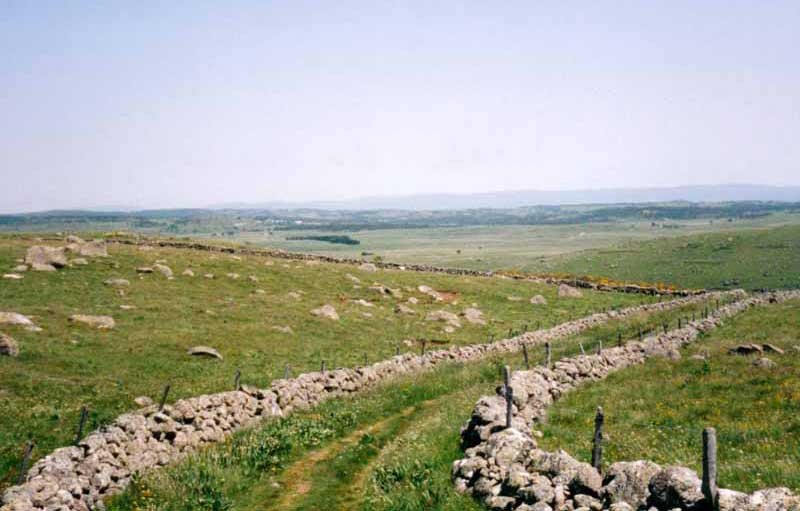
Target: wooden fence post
709, 485
365, 359
583, 351
322, 366
397, 350
81, 424
23, 465
619, 339
525, 355
286, 372
164, 398
509, 394
422, 352
548, 355
237, 380
600, 348
597, 440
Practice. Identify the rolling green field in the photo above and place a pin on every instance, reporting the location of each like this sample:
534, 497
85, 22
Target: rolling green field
66, 366
657, 411
491, 247
390, 448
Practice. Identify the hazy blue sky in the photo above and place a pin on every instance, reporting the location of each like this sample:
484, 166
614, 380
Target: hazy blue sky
196, 103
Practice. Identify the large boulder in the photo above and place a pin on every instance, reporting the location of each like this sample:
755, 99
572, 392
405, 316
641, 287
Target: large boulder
676, 487
628, 481
98, 322
8, 346
163, 269
40, 257
538, 300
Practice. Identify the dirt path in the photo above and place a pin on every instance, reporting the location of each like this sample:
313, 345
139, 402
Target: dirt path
299, 476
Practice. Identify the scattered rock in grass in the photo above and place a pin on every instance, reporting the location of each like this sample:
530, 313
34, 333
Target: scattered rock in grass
368, 267
566, 291
698, 356
283, 329
117, 282
538, 300
163, 269
15, 318
764, 363
204, 351
327, 311
427, 290
366, 314
42, 267
13, 276
363, 302
474, 316
233, 276
127, 307
94, 248
673, 354
413, 300
146, 248
8, 346
252, 278
260, 292
403, 309
771, 348
387, 291
449, 329
143, 401
444, 316
78, 261
39, 257
20, 268
514, 298
144, 269
353, 278
294, 294
72, 239
209, 275
99, 322
188, 272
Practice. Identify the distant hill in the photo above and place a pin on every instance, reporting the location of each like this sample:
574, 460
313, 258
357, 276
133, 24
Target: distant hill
520, 198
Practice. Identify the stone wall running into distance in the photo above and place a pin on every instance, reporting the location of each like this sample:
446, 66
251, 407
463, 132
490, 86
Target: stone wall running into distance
102, 464
283, 254
505, 469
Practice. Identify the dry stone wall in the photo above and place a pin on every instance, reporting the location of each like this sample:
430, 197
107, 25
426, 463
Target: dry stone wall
624, 288
504, 468
79, 477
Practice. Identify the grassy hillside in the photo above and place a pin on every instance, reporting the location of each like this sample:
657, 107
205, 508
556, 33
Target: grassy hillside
752, 259
66, 366
657, 411
387, 449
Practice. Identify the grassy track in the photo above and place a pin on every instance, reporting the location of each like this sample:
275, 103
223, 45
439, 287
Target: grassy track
658, 410
64, 366
390, 448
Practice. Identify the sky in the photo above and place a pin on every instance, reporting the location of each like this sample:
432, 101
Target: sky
188, 104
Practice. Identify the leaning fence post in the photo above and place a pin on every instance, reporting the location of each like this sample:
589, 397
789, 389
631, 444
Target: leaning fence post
81, 424
640, 334
583, 351
525, 355
509, 394
237, 380
23, 465
163, 398
597, 440
548, 354
709, 485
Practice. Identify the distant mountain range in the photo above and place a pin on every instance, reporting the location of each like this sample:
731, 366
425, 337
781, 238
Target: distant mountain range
520, 198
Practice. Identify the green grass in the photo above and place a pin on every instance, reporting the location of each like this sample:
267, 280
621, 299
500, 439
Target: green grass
751, 259
657, 411
65, 367
390, 448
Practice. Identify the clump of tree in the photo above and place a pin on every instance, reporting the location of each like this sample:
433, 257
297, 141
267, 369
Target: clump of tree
337, 239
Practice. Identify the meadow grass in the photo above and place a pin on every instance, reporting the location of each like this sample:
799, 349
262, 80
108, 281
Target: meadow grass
65, 367
389, 448
658, 410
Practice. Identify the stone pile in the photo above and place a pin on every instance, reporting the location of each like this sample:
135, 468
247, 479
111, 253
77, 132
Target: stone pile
78, 478
505, 469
